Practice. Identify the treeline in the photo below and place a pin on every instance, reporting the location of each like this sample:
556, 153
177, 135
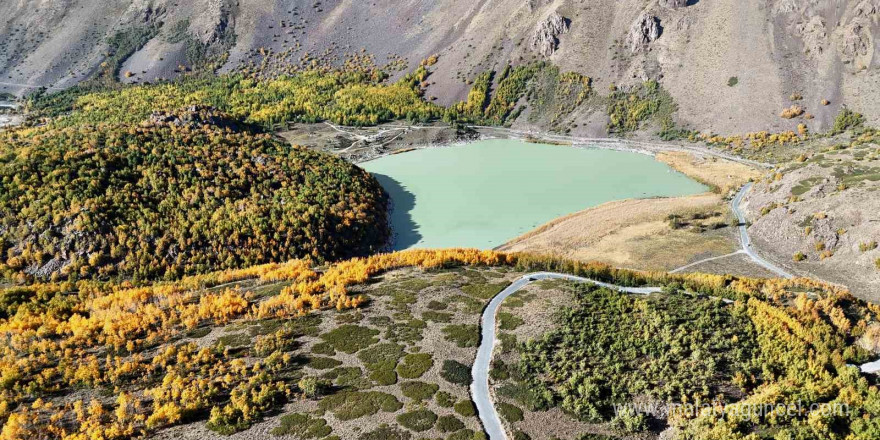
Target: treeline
354, 97
357, 96
185, 193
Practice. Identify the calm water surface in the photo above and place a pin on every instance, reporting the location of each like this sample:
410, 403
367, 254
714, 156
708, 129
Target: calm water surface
488, 192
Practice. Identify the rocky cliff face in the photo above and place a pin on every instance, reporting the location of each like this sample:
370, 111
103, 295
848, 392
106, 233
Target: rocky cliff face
643, 32
545, 40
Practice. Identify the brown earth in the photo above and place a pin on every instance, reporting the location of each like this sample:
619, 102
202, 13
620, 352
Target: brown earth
826, 209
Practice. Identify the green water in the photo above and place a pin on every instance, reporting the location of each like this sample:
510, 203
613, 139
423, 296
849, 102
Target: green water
486, 193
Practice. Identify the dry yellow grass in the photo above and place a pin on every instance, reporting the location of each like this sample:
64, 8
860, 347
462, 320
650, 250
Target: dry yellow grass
636, 233
630, 233
719, 173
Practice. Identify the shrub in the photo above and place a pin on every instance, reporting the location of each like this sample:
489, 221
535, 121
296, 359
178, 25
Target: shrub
870, 246
419, 420
465, 408
847, 120
323, 348
384, 377
418, 391
350, 338
437, 305
628, 421
356, 404
323, 363
464, 434
464, 335
800, 256
302, 426
431, 315
510, 412
732, 81
444, 399
509, 321
414, 365
385, 432
455, 372
312, 387
449, 424
483, 290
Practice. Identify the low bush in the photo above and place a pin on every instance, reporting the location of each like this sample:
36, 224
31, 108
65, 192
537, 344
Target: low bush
511, 413
465, 408
350, 338
484, 290
455, 372
464, 335
419, 420
444, 399
323, 363
449, 424
509, 321
414, 365
302, 426
385, 432
418, 391
353, 405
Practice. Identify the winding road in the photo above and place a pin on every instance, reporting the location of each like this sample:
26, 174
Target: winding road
480, 390
744, 235
745, 241
480, 387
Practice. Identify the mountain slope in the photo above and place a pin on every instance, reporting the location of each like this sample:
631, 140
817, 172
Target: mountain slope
819, 50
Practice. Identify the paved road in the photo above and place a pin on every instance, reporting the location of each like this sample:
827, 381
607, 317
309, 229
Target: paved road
744, 235
480, 387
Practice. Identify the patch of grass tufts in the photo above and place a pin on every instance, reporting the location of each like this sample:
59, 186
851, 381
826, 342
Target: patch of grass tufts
302, 426
354, 405
350, 338
414, 365
464, 335
419, 391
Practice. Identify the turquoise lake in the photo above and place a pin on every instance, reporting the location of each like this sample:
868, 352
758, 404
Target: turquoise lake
486, 193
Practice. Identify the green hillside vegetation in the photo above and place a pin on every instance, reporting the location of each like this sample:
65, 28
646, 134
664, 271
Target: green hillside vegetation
358, 97
187, 193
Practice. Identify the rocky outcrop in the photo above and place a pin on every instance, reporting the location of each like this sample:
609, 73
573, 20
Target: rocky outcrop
814, 35
856, 41
545, 40
643, 32
673, 4
196, 116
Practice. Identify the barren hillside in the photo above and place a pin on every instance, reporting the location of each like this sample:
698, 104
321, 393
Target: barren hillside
731, 65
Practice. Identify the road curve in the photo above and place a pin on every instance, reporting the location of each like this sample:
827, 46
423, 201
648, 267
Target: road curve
480, 387
744, 235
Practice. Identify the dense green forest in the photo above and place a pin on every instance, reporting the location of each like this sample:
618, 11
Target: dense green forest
179, 194
777, 366
615, 346
356, 97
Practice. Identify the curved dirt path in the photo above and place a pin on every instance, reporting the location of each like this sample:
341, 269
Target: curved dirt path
480, 387
744, 235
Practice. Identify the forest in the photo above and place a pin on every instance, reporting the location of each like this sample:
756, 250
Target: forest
791, 351
178, 194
